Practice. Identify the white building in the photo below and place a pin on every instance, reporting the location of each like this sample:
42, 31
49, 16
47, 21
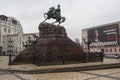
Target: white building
12, 43
8, 26
12, 37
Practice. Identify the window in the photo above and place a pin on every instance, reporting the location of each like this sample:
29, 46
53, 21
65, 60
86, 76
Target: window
3, 18
106, 50
102, 50
119, 50
5, 30
23, 43
14, 22
115, 50
8, 30
26, 42
110, 50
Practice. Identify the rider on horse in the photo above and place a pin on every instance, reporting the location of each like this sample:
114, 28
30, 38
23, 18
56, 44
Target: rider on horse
55, 14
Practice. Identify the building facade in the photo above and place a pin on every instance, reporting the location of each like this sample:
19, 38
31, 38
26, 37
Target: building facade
27, 37
8, 26
12, 37
12, 44
102, 38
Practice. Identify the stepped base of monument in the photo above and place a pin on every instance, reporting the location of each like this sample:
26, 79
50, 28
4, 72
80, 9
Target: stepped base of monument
52, 47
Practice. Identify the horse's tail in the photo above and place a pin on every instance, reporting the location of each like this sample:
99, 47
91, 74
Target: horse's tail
62, 19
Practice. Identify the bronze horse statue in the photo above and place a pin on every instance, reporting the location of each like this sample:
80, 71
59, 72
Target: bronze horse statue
55, 14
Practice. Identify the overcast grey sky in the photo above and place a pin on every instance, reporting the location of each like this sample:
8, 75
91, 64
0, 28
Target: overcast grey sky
79, 13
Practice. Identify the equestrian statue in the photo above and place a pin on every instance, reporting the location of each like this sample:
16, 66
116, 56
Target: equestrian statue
55, 14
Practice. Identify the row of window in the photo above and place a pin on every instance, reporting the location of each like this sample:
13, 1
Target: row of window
5, 30
13, 21
113, 50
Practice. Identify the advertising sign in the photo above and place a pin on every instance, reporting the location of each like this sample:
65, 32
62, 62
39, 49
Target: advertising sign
104, 35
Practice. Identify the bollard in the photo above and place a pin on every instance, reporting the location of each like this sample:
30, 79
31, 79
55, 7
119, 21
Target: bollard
10, 59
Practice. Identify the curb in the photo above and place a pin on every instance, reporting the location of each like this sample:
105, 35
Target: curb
68, 69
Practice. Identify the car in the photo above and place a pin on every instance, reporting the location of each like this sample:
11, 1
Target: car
112, 56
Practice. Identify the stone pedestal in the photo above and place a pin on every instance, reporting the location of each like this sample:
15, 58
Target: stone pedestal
52, 46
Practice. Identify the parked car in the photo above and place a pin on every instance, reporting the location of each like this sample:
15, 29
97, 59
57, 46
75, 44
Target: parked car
112, 56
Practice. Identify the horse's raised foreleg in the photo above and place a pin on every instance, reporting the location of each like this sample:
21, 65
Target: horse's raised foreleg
44, 20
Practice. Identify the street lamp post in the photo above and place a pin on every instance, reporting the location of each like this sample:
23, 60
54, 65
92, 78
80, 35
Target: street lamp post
88, 44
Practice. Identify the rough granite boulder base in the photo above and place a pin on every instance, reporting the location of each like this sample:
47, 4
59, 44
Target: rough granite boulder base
53, 45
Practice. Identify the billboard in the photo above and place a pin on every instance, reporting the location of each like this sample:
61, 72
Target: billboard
104, 35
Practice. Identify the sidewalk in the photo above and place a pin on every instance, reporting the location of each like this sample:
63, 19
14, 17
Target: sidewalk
30, 67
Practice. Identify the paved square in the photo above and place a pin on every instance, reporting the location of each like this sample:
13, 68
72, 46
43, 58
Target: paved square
106, 74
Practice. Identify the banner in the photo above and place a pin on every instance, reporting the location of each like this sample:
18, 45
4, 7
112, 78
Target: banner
104, 35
